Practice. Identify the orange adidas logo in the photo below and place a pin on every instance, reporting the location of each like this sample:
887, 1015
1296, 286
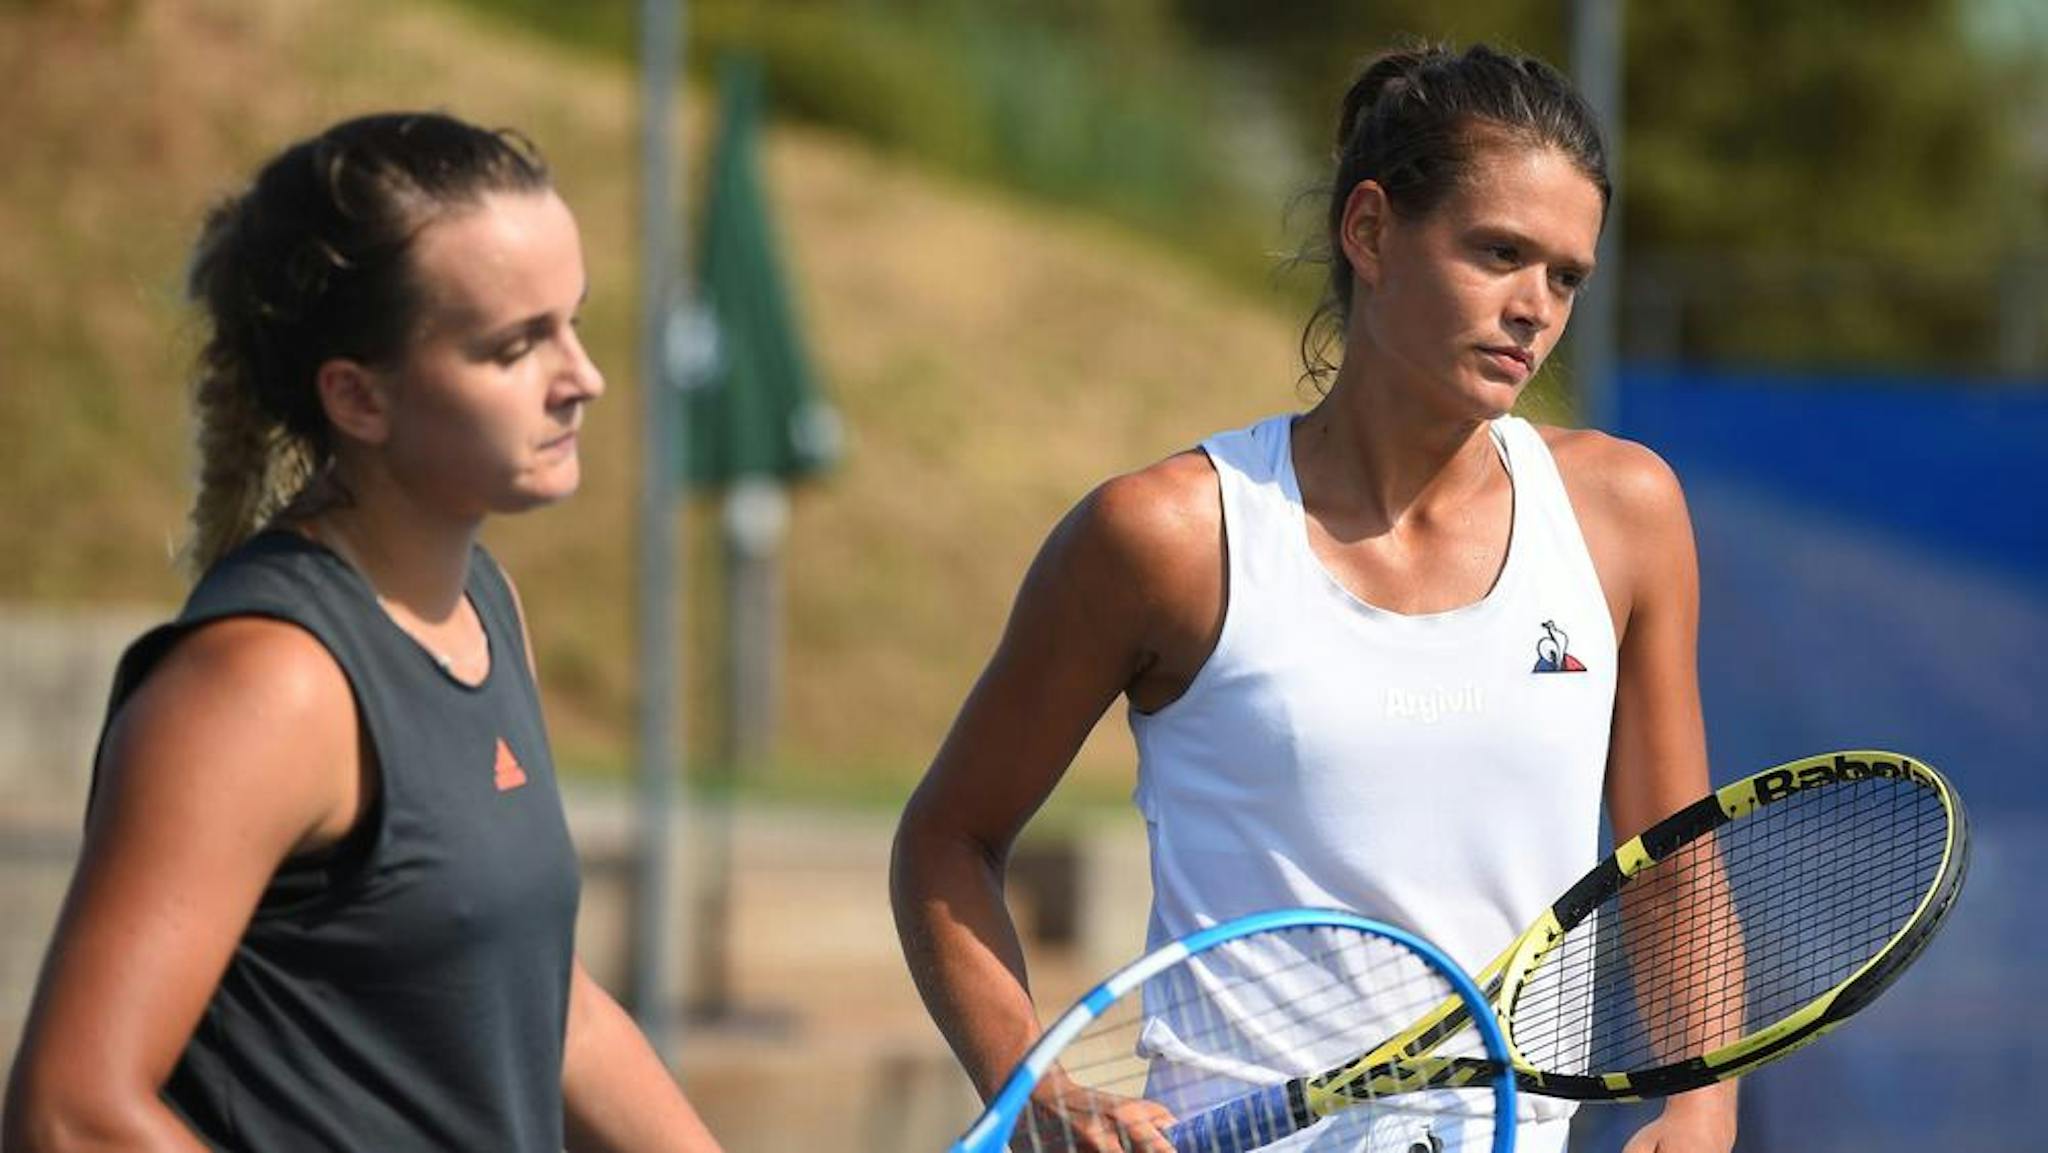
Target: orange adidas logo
507, 774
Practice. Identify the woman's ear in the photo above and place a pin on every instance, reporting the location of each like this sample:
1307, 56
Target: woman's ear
1362, 229
356, 399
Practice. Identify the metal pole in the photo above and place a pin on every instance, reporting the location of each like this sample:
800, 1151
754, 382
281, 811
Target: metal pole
1596, 321
661, 722
756, 525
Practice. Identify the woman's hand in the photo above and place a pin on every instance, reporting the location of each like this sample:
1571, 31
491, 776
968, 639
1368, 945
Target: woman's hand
1067, 1115
1702, 1121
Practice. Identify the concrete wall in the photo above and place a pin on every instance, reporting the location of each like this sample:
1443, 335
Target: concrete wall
819, 1042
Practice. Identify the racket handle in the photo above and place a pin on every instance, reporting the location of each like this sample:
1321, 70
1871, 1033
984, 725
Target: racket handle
1240, 1124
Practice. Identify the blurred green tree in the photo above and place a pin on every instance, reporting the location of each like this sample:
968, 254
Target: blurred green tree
1833, 183
1828, 183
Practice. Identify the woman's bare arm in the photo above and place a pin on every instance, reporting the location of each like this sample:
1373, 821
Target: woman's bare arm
1636, 524
1123, 592
240, 750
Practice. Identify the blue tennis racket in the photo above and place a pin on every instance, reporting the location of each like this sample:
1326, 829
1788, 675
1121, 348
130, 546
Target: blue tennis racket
1202, 1046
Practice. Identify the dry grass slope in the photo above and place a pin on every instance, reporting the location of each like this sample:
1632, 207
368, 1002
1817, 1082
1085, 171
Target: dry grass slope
992, 359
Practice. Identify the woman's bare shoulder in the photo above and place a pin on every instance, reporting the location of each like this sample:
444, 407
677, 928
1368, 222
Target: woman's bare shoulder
1615, 479
251, 711
1168, 505
254, 659
1632, 514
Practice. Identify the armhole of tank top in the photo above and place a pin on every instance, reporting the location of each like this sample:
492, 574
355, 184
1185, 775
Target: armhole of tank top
344, 862
137, 662
1544, 471
218, 1093
1227, 498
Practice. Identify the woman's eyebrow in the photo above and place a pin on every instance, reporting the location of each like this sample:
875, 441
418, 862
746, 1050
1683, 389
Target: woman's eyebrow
473, 324
1509, 234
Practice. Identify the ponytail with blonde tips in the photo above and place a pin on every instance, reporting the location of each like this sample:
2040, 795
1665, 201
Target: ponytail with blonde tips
308, 265
250, 465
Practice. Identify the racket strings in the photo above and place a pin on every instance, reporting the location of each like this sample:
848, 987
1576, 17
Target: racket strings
1871, 916
1693, 977
1736, 930
1112, 1041
1847, 937
1249, 1014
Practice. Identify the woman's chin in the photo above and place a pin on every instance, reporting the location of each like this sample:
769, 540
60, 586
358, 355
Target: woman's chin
1492, 399
550, 485
529, 497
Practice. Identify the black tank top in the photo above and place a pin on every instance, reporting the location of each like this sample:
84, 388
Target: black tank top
407, 989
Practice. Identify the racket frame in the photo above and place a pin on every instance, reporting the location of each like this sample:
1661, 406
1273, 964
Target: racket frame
1804, 1025
990, 1132
1403, 1064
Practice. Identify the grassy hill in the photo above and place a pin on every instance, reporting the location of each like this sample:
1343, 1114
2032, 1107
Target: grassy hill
992, 359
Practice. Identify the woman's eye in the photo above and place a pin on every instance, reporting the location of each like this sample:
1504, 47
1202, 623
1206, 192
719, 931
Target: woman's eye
510, 353
1505, 253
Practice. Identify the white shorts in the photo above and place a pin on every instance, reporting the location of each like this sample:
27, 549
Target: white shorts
1373, 1131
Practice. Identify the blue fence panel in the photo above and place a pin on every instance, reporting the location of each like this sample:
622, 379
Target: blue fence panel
1942, 465
1874, 572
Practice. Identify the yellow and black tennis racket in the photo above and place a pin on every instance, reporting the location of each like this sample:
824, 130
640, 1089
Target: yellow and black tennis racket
1740, 928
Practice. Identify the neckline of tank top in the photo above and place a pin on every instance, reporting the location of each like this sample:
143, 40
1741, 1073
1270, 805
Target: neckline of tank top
1487, 605
440, 661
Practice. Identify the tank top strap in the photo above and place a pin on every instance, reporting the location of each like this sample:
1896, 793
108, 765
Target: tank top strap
1528, 461
1262, 516
490, 591
1544, 507
272, 576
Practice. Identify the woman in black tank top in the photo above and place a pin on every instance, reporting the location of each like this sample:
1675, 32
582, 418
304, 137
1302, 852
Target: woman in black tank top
327, 898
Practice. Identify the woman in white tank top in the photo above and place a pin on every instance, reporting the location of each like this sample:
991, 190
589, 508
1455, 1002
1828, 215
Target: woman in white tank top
1390, 654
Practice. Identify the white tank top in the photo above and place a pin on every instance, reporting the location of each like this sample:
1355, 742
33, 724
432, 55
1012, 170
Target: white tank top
1440, 771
